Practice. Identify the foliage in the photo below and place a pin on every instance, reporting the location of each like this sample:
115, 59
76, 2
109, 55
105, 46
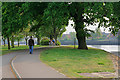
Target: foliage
55, 18
116, 7
45, 41
58, 43
115, 20
36, 10
68, 37
50, 19
10, 18
19, 36
90, 13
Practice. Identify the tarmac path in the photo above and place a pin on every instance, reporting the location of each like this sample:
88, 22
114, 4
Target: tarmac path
6, 70
27, 65
30, 66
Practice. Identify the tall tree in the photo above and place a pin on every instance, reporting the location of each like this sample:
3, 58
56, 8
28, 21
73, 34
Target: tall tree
10, 19
12, 40
56, 18
115, 19
32, 13
36, 29
25, 32
85, 14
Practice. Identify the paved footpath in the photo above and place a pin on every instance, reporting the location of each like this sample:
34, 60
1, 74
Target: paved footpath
30, 66
6, 70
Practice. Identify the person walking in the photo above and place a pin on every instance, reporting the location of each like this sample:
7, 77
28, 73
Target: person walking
31, 44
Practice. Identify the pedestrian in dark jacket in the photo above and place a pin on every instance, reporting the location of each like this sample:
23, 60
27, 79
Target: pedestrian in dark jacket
31, 44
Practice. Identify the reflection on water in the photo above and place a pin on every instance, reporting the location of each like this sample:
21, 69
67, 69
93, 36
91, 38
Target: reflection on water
109, 48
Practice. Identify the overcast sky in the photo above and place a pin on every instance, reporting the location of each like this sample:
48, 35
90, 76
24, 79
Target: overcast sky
69, 28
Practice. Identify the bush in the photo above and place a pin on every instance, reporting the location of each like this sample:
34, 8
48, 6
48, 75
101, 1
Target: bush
45, 41
58, 43
45, 38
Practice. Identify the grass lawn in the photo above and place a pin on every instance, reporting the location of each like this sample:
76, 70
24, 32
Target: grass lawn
71, 61
4, 49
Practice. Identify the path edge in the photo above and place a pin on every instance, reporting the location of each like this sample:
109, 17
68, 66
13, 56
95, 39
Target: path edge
14, 71
52, 67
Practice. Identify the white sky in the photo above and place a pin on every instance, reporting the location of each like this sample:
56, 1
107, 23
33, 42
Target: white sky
69, 28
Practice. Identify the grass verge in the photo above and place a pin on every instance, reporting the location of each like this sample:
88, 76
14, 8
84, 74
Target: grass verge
4, 49
71, 61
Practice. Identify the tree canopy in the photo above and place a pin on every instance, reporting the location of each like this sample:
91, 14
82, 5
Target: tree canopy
56, 19
50, 19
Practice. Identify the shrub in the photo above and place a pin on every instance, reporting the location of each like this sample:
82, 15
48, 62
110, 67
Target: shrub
45, 41
58, 43
45, 38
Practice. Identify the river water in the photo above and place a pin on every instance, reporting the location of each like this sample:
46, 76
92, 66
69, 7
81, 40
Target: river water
109, 48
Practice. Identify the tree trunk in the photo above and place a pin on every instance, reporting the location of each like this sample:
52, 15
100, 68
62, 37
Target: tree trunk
12, 42
8, 42
18, 43
26, 41
80, 34
55, 35
82, 42
79, 28
38, 41
55, 39
51, 37
4, 42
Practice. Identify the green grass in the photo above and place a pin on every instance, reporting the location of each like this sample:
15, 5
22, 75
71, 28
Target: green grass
4, 49
76, 46
71, 61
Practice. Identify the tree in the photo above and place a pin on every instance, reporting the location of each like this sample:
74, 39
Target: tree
55, 19
12, 40
18, 37
32, 13
36, 29
10, 19
115, 19
26, 33
85, 14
